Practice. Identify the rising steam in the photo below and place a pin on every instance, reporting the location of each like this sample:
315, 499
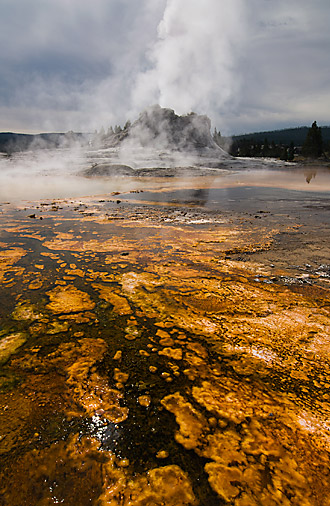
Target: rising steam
193, 63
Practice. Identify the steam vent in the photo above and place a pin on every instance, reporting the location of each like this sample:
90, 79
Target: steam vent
165, 342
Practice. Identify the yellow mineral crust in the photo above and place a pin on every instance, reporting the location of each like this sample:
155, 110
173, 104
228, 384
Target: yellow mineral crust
68, 299
224, 480
84, 317
94, 245
119, 303
9, 345
260, 464
286, 486
53, 256
144, 400
257, 441
120, 376
222, 402
75, 272
259, 448
168, 486
8, 258
75, 465
132, 280
166, 341
164, 335
118, 355
266, 438
57, 327
26, 311
88, 392
191, 422
97, 398
224, 447
132, 331
162, 454
36, 284
64, 236
228, 299
289, 328
91, 391
174, 353
198, 349
142, 291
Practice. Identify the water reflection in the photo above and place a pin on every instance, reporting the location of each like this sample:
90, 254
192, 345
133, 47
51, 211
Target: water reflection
200, 196
310, 175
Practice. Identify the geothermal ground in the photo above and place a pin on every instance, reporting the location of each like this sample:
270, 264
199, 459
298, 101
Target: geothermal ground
168, 344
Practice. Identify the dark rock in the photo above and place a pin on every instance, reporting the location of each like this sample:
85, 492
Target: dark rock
164, 129
108, 169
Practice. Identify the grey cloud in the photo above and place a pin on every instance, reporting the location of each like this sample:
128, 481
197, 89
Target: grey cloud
286, 80
77, 64
72, 56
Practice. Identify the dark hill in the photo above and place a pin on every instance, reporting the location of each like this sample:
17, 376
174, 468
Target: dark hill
13, 143
285, 136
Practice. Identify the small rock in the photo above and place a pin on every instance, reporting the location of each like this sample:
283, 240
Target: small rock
118, 355
144, 400
163, 454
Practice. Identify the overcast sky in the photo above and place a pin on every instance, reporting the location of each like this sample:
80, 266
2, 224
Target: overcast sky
81, 64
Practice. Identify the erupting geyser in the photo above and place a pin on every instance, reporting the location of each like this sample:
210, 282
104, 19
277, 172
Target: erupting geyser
159, 138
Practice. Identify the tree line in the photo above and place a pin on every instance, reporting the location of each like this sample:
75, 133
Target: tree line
252, 145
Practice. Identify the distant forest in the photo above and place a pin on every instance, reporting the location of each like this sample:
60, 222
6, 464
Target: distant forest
13, 143
286, 136
286, 144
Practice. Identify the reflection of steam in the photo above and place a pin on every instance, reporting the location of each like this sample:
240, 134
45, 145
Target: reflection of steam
200, 196
310, 175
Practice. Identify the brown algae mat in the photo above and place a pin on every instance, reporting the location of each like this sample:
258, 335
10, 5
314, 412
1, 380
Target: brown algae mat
156, 355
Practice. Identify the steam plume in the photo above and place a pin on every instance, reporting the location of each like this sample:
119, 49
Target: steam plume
194, 60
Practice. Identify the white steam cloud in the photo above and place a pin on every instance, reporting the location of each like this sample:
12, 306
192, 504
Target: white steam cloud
195, 59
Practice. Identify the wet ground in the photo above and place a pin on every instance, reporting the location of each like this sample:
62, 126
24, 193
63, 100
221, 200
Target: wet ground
166, 347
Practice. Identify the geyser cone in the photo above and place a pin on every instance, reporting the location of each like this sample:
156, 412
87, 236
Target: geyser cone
159, 138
